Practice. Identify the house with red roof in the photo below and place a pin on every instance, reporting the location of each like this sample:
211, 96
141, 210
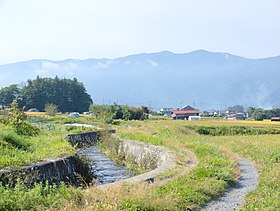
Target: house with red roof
184, 113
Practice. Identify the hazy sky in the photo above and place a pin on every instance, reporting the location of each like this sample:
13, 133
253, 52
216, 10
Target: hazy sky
60, 29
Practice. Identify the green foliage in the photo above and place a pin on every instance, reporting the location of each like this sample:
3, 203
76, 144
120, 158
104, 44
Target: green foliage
141, 137
213, 175
40, 197
110, 113
51, 109
16, 118
258, 114
113, 148
17, 115
231, 130
17, 150
9, 137
68, 95
26, 129
8, 94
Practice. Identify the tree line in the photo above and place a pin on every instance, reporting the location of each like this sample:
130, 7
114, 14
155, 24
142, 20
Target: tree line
109, 113
261, 114
69, 95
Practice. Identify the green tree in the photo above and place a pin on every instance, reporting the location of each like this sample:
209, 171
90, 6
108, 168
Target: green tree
8, 94
275, 112
258, 114
68, 95
250, 111
108, 113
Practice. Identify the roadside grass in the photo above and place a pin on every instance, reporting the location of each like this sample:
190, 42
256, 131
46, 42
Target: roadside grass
264, 150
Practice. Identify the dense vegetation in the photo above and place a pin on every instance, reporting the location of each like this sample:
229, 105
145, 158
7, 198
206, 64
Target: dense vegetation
232, 130
109, 113
69, 95
261, 114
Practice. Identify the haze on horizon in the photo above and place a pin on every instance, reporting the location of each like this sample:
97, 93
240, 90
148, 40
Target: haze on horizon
58, 30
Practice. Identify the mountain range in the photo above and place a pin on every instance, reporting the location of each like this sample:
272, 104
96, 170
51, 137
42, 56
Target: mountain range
164, 79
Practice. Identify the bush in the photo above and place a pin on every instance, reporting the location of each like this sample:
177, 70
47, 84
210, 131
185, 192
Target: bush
27, 129
110, 113
16, 118
51, 109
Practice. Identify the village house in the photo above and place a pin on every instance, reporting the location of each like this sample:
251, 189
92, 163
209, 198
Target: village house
238, 116
165, 111
275, 119
184, 113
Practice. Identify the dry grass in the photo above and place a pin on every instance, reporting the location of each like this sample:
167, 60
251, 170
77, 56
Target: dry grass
35, 113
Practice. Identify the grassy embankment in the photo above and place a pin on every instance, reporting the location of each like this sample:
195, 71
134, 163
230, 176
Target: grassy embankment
16, 150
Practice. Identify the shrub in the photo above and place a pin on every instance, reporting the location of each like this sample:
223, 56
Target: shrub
110, 113
51, 109
16, 118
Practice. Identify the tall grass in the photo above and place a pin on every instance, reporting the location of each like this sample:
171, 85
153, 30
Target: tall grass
18, 150
41, 197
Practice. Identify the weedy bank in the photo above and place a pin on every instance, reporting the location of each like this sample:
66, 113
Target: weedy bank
22, 143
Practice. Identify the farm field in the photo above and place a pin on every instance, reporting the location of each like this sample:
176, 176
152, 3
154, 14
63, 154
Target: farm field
180, 189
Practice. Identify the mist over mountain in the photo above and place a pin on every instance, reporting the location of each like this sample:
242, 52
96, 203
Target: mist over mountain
164, 79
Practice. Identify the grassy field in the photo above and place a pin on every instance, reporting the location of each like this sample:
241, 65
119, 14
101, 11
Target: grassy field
216, 156
185, 188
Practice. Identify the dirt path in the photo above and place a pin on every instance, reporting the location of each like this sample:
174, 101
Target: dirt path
234, 197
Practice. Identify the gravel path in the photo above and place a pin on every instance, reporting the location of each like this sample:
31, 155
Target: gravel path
234, 197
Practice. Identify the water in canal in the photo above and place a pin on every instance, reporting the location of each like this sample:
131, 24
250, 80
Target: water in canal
102, 168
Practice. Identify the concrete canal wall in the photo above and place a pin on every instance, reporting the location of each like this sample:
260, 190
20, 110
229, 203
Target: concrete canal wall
69, 169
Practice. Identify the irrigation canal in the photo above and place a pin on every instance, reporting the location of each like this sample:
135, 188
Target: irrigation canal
103, 169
